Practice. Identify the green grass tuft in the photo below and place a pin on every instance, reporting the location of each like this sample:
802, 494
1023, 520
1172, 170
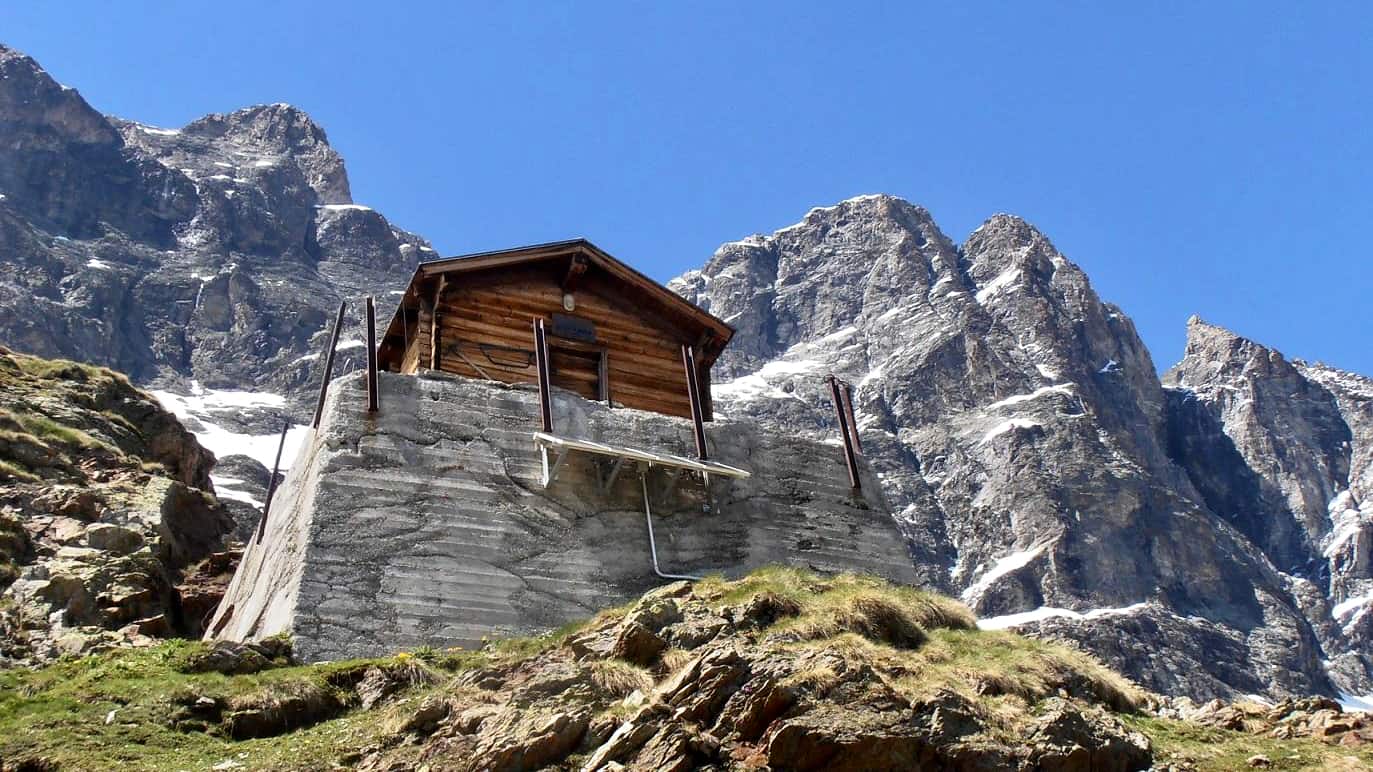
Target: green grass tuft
50, 431
12, 471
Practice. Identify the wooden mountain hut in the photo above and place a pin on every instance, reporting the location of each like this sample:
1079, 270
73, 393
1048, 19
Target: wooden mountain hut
612, 334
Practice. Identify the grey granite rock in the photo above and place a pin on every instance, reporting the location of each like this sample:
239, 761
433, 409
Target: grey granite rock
1035, 463
1284, 452
217, 252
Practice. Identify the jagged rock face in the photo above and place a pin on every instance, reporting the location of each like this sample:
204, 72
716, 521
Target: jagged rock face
1284, 452
217, 252
1287, 430
1024, 439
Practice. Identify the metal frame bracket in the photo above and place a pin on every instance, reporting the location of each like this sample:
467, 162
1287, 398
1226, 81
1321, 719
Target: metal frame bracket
550, 473
608, 479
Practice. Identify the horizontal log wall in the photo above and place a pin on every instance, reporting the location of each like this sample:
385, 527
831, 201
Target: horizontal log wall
484, 328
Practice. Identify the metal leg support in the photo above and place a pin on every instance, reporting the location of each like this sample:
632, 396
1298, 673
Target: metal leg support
652, 544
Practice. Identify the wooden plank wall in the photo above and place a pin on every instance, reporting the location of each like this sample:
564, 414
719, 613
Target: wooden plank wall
485, 331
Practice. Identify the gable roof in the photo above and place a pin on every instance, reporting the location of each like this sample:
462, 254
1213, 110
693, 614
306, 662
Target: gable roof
668, 301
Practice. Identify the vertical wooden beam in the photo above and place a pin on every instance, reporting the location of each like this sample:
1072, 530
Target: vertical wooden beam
847, 394
707, 399
603, 376
849, 457
435, 345
545, 385
694, 397
272, 483
329, 365
373, 398
703, 378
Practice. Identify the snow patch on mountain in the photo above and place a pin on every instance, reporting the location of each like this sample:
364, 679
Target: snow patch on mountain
1049, 612
1004, 565
1006, 426
1001, 282
208, 412
1062, 388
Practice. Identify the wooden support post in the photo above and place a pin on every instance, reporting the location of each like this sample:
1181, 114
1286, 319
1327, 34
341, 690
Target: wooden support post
435, 329
545, 385
328, 365
847, 393
839, 412
373, 398
272, 483
694, 397
603, 376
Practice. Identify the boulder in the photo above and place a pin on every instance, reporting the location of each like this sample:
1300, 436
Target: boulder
113, 538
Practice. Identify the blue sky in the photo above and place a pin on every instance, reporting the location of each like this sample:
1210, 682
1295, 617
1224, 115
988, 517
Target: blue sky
1210, 158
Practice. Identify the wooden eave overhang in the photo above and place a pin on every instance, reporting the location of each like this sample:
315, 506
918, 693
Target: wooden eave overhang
715, 333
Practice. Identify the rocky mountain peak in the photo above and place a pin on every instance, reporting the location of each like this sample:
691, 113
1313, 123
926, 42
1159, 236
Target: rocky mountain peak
215, 252
30, 98
1216, 357
1006, 242
257, 137
1286, 421
65, 165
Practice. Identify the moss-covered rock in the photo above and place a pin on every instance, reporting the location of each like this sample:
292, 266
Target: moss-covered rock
104, 501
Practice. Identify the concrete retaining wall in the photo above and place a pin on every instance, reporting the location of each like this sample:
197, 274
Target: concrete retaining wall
427, 525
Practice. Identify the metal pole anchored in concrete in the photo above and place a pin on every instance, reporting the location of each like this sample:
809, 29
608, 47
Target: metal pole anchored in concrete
849, 457
328, 366
653, 545
272, 483
373, 398
847, 393
545, 386
694, 399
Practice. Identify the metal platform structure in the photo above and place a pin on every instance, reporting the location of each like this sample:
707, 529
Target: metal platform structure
619, 454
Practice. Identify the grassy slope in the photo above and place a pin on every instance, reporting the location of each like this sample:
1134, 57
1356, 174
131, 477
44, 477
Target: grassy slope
63, 712
114, 709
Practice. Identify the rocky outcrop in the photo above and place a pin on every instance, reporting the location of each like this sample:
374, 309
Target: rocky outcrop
217, 252
1312, 717
104, 499
783, 669
1026, 443
820, 687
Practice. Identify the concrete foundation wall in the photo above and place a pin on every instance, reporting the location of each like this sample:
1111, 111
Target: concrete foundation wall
427, 524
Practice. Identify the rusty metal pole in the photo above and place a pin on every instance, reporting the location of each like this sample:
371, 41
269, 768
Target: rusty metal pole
328, 366
272, 483
847, 393
545, 386
373, 397
694, 398
849, 456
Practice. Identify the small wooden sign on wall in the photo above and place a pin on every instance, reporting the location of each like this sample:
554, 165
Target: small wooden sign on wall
574, 328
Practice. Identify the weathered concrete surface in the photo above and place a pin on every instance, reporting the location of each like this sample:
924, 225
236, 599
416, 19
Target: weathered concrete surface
427, 525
